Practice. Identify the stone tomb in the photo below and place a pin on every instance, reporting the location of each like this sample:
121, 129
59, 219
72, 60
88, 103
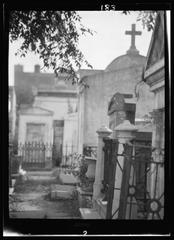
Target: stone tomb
63, 192
68, 179
121, 107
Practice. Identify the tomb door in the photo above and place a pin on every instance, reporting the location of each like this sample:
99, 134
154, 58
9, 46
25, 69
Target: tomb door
33, 150
35, 132
58, 141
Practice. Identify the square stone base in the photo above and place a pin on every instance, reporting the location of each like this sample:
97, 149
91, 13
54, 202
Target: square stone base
88, 213
59, 192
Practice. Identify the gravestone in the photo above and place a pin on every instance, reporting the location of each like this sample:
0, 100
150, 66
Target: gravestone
121, 107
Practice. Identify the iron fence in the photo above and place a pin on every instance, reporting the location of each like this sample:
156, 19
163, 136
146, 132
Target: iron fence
34, 154
37, 154
13, 161
138, 192
69, 155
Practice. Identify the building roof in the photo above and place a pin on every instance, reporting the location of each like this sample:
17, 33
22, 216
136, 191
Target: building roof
35, 111
88, 72
125, 61
155, 58
57, 93
42, 81
156, 48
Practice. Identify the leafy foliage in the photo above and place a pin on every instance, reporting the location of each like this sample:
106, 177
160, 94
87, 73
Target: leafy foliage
54, 35
146, 17
83, 168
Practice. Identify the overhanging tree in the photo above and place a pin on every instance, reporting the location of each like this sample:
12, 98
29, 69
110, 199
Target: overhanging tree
54, 36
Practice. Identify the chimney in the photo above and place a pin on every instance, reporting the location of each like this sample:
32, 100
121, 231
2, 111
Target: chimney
37, 68
18, 68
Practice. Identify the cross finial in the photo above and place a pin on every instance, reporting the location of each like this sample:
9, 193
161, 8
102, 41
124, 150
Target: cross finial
133, 33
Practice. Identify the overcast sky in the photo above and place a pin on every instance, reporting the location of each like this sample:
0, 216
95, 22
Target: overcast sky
107, 43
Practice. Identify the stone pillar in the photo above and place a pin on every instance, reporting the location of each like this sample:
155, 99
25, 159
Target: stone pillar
125, 133
102, 133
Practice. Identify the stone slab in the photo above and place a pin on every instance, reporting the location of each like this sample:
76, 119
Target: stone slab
41, 178
29, 196
36, 214
88, 213
61, 191
68, 179
84, 193
39, 173
27, 206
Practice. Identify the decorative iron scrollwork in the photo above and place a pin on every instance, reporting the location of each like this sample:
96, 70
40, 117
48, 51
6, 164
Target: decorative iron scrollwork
153, 206
132, 191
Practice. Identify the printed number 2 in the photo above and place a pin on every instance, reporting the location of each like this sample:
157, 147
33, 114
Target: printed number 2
84, 232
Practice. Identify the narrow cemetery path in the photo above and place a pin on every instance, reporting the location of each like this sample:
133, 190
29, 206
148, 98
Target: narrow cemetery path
35, 198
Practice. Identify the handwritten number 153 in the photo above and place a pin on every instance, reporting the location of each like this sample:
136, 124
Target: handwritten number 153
108, 7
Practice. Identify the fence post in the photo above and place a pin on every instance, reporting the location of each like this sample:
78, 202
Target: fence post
102, 133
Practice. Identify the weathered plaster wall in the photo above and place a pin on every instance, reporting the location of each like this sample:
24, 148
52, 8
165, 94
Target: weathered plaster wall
96, 98
58, 105
70, 133
47, 120
145, 100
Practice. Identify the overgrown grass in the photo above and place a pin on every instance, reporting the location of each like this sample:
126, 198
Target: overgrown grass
13, 204
28, 186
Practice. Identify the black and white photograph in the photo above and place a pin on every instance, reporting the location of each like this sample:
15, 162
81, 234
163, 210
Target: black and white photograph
86, 114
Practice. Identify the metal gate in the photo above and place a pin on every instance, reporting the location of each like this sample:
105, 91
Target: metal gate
133, 180
33, 154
